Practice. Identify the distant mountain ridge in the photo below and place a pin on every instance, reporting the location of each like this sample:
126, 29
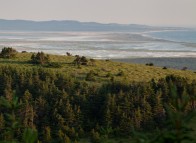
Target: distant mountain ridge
70, 25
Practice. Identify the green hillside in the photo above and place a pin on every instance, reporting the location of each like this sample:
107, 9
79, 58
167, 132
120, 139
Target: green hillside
103, 69
72, 99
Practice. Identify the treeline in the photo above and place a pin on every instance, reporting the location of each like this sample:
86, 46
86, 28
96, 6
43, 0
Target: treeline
63, 109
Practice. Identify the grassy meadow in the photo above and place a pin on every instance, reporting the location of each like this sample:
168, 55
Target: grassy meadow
104, 70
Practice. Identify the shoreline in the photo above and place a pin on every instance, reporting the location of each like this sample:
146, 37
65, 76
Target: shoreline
175, 63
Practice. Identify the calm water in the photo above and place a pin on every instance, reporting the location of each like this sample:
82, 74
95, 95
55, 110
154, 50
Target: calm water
105, 44
188, 36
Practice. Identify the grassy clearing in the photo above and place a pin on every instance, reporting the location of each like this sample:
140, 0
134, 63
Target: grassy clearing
104, 70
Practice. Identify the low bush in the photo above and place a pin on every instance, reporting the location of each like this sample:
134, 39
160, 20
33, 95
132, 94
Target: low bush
8, 52
164, 67
40, 58
54, 65
80, 60
121, 73
90, 76
149, 64
184, 68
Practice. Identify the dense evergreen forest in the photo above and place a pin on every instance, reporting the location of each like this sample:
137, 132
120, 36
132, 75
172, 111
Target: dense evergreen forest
38, 104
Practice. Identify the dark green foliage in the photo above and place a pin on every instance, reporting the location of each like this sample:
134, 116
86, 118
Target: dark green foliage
90, 76
184, 68
109, 75
68, 54
84, 60
47, 134
54, 65
177, 130
40, 58
29, 136
92, 62
80, 60
12, 129
177, 127
95, 137
121, 73
149, 64
64, 109
164, 67
8, 52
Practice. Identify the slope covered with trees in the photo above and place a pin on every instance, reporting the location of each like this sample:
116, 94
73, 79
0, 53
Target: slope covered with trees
60, 106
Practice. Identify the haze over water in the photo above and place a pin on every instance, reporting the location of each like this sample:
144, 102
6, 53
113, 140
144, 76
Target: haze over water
104, 45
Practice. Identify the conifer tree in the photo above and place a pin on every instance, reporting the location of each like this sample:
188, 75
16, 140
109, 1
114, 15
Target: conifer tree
47, 134
28, 111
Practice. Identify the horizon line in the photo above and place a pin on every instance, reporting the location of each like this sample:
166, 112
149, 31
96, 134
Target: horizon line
98, 22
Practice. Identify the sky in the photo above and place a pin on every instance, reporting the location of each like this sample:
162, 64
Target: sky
148, 12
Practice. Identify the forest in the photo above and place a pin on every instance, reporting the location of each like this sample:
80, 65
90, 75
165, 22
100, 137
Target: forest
40, 102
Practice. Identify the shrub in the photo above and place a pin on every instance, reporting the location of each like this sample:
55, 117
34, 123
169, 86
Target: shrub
164, 67
40, 58
90, 76
121, 73
68, 54
92, 62
67, 139
84, 61
8, 52
54, 65
109, 75
149, 64
184, 68
95, 137
80, 60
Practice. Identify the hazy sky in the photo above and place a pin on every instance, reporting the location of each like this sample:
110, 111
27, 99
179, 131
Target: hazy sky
151, 12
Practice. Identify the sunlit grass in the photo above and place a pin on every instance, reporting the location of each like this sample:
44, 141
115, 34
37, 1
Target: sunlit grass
102, 68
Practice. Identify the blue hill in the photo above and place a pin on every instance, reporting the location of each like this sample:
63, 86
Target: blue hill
68, 25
